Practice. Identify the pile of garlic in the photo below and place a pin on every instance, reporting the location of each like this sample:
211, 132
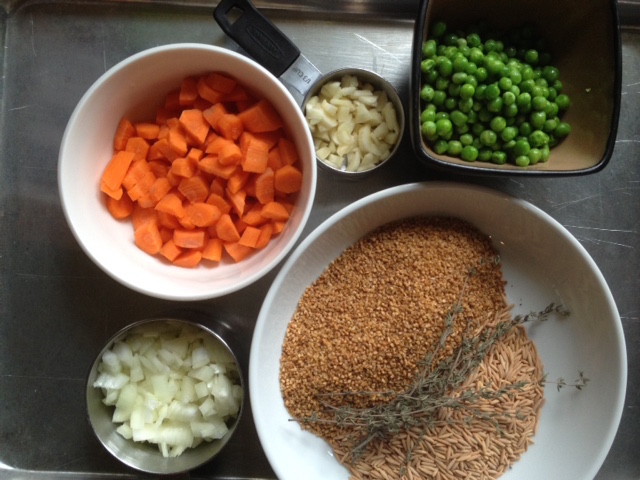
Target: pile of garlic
172, 385
354, 126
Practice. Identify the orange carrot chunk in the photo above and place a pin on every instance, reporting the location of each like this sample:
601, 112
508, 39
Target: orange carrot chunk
120, 208
117, 169
226, 229
213, 250
203, 214
206, 92
236, 251
188, 259
186, 238
188, 91
194, 125
261, 117
249, 237
171, 204
147, 238
288, 179
221, 83
256, 156
230, 126
124, 131
138, 146
288, 152
213, 114
196, 188
265, 186
170, 250
275, 211
147, 130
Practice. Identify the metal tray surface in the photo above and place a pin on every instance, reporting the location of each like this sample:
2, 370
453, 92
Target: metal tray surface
57, 308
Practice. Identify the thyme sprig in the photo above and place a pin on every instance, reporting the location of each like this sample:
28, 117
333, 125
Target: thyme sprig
436, 386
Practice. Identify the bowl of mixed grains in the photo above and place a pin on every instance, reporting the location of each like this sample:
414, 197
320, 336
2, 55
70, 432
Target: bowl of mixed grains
438, 329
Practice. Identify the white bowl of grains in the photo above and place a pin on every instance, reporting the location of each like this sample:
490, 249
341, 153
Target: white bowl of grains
349, 333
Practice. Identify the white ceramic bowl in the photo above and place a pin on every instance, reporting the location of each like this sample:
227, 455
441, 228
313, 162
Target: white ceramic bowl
542, 263
134, 88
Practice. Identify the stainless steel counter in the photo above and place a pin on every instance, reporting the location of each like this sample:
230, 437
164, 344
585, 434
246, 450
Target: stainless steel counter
57, 308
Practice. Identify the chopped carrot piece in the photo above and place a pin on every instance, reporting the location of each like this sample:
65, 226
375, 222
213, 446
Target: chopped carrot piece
188, 259
256, 156
172, 101
177, 141
250, 237
254, 216
188, 91
230, 126
239, 95
195, 154
167, 220
159, 168
266, 231
117, 169
170, 250
218, 186
288, 179
115, 194
171, 204
275, 211
238, 200
120, 208
213, 114
138, 146
147, 238
219, 202
230, 154
288, 152
162, 149
236, 251
186, 238
141, 215
265, 186
203, 214
184, 167
195, 126
274, 161
147, 130
226, 229
206, 92
136, 172
124, 131
141, 188
211, 164
261, 117
196, 188
221, 83
166, 234
213, 250
159, 188
237, 181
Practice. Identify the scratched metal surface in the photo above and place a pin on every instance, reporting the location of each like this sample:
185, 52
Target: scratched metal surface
57, 308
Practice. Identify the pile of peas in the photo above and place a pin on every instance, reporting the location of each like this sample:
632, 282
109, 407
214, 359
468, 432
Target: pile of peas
496, 100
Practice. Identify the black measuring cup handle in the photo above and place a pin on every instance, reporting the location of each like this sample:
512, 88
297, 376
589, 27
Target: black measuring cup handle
261, 39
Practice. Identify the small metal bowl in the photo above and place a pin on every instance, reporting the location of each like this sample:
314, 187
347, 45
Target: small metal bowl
146, 457
379, 84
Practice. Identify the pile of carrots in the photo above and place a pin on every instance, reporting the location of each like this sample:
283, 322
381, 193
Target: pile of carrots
214, 174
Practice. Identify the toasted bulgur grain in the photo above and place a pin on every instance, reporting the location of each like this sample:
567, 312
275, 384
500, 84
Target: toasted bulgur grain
374, 313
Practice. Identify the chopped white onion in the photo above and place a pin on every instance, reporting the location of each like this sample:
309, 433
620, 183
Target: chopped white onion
171, 386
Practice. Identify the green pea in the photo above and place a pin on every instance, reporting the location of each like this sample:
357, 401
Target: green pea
465, 104
550, 125
562, 101
534, 156
450, 103
441, 115
492, 91
527, 85
440, 146
562, 130
525, 129
522, 160
458, 118
489, 45
484, 154
471, 69
477, 128
467, 90
531, 56
460, 64
454, 89
459, 78
515, 76
438, 29
439, 97
443, 126
466, 139
550, 73
521, 147
537, 119
428, 129
545, 153
495, 105
428, 115
442, 83
474, 40
488, 137
538, 138
445, 68
426, 93
498, 124
476, 56
431, 76
508, 98
482, 74
469, 153
429, 48
552, 109
509, 133
524, 101
462, 129
539, 103
505, 83
499, 157
454, 148
510, 111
